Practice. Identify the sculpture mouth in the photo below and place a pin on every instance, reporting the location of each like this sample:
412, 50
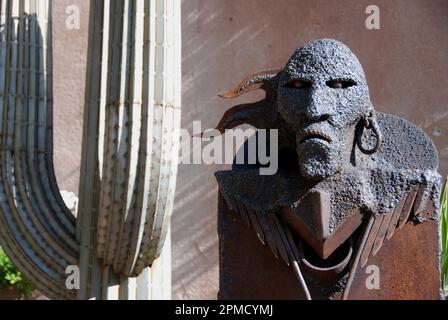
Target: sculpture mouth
310, 135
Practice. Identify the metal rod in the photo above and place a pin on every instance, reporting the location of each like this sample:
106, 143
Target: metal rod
355, 264
295, 262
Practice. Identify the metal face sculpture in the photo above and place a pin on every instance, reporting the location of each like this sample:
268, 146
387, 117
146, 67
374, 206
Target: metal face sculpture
322, 95
348, 176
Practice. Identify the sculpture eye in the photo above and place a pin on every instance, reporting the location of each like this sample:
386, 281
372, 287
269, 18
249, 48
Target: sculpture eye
341, 84
299, 84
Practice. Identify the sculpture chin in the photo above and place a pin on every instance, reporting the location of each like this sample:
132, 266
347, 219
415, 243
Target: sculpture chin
314, 170
317, 160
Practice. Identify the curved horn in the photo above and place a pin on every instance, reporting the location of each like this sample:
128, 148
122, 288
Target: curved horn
251, 82
245, 113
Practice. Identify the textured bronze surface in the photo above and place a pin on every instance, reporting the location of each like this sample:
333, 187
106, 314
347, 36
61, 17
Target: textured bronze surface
344, 171
408, 266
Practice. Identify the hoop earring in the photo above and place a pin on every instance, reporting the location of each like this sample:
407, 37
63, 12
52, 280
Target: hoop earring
370, 123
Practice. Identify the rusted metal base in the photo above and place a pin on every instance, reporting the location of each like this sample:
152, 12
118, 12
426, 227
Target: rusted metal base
408, 266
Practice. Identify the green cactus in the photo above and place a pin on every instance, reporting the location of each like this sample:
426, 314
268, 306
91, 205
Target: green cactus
444, 237
129, 157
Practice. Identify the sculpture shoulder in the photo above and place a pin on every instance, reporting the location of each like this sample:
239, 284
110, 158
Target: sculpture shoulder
405, 146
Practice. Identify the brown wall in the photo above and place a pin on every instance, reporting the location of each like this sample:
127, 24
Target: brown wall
69, 57
405, 62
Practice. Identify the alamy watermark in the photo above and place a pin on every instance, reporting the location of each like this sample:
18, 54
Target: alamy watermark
73, 18
373, 19
211, 147
73, 280
373, 280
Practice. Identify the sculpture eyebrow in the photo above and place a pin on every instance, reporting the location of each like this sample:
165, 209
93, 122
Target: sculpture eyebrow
291, 77
343, 78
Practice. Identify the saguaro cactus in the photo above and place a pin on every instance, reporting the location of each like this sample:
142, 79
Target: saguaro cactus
130, 148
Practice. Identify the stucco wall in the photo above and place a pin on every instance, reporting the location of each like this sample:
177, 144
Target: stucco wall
405, 63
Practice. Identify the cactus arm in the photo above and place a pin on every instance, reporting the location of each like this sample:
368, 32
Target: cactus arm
134, 193
36, 229
89, 186
138, 114
166, 142
129, 153
142, 118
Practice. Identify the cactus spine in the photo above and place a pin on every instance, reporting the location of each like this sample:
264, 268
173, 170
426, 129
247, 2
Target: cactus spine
130, 149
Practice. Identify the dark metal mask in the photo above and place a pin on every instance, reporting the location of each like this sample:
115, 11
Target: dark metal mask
348, 176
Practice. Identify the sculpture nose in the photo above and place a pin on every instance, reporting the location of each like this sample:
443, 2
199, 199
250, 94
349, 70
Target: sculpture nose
319, 106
